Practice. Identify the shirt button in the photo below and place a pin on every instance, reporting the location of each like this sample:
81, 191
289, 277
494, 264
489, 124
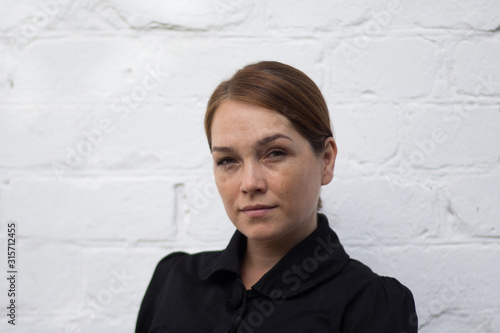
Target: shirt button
224, 328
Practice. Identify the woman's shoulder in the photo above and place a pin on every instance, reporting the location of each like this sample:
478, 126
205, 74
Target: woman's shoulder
173, 272
364, 281
186, 262
377, 300
170, 258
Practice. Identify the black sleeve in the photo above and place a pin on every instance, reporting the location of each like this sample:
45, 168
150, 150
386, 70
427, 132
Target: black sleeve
148, 306
383, 306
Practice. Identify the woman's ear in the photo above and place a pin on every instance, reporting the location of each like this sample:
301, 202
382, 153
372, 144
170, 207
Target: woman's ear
328, 157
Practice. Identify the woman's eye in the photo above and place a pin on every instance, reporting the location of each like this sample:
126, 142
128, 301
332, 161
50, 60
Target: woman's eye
276, 153
225, 161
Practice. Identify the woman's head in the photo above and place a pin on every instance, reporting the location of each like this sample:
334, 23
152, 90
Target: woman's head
281, 88
269, 133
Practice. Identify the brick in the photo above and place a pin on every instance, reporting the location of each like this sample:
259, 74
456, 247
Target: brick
378, 210
176, 15
76, 69
149, 137
449, 288
44, 323
103, 70
476, 70
115, 280
447, 292
5, 79
119, 322
325, 15
441, 136
35, 19
472, 206
183, 64
24, 12
116, 277
384, 68
360, 135
205, 219
478, 15
66, 140
453, 320
46, 271
86, 208
41, 133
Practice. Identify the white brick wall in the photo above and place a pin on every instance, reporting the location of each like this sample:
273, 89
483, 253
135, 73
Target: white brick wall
105, 167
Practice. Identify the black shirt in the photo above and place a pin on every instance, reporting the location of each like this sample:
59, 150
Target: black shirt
315, 287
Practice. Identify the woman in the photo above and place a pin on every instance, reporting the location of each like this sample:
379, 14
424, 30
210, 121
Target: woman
284, 269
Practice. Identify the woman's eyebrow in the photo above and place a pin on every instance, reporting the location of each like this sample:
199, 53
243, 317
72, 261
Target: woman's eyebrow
261, 142
271, 138
222, 149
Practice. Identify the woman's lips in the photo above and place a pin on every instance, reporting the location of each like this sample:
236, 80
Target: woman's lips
257, 211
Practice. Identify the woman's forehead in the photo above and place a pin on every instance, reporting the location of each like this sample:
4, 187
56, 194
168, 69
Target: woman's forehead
237, 120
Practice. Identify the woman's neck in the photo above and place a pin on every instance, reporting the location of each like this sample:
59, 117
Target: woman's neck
261, 256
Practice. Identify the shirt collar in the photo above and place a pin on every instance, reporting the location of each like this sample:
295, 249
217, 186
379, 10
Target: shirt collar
229, 259
317, 258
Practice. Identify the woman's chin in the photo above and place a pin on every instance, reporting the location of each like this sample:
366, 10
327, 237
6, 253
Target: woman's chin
260, 232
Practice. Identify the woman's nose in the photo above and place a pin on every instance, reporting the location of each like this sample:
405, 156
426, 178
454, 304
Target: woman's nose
253, 180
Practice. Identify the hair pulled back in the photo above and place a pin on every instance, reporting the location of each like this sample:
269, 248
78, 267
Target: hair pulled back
281, 88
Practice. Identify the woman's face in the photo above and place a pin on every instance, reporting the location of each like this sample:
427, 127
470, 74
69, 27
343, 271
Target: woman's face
266, 172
